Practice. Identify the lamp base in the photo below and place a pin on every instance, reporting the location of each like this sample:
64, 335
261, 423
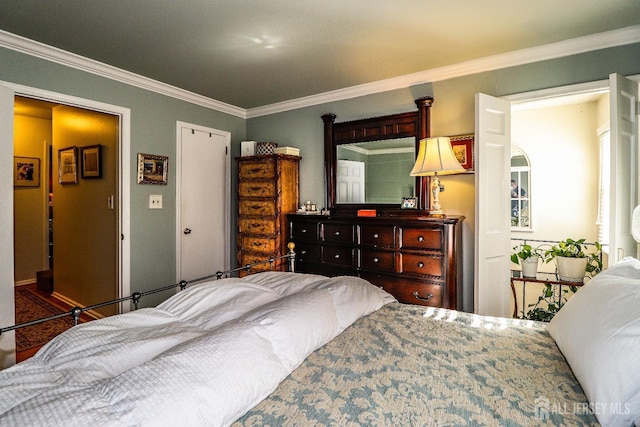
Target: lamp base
437, 213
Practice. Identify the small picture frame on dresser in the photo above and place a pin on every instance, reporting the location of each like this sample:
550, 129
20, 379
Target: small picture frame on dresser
409, 203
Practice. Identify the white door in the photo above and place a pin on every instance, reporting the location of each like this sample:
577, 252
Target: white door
350, 181
202, 201
492, 295
7, 341
624, 165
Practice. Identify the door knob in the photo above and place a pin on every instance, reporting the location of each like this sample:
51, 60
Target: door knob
187, 231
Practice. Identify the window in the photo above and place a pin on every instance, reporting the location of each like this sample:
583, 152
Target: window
520, 190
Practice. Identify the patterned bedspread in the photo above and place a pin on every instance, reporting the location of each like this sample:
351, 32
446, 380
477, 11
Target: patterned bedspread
407, 365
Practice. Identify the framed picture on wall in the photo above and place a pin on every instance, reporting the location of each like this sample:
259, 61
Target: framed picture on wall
26, 172
68, 165
463, 149
152, 169
91, 161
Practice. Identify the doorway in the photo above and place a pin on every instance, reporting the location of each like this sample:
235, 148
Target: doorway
67, 224
202, 201
492, 296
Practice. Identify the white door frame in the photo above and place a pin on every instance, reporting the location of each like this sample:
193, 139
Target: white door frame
124, 181
227, 198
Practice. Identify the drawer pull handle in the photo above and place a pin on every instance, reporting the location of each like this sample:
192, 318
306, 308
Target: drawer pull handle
420, 239
420, 264
375, 259
336, 256
375, 236
304, 230
303, 252
337, 233
418, 297
256, 188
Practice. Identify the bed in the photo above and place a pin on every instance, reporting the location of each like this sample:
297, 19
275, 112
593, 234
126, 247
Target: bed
296, 349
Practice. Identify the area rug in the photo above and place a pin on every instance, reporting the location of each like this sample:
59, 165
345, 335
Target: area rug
31, 307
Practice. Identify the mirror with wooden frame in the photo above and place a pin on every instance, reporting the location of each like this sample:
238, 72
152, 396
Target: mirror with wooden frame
367, 161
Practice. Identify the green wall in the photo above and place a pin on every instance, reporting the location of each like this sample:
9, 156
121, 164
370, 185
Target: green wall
153, 130
453, 113
153, 119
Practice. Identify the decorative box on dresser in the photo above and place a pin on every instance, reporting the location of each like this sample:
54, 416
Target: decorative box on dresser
417, 259
268, 189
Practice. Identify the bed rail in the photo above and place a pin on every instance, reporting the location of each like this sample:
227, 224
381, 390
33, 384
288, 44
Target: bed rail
135, 297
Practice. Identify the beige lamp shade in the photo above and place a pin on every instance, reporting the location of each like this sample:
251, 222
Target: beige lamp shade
435, 155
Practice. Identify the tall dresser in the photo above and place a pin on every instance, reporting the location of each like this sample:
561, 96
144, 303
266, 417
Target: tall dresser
417, 259
268, 189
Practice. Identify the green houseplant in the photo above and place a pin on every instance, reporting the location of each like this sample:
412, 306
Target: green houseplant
548, 304
573, 261
551, 299
527, 256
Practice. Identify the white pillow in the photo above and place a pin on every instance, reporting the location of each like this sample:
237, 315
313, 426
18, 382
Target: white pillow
598, 332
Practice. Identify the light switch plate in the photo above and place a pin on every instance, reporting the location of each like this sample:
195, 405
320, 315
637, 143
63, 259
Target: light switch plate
155, 201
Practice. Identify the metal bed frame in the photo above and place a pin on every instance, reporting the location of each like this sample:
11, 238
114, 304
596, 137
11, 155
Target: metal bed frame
135, 297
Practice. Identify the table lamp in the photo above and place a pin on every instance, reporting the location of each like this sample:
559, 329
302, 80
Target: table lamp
435, 156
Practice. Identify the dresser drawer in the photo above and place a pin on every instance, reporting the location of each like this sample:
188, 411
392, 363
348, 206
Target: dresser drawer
259, 244
257, 189
407, 291
377, 260
257, 207
378, 236
306, 252
338, 233
304, 231
337, 255
422, 264
257, 170
257, 226
421, 238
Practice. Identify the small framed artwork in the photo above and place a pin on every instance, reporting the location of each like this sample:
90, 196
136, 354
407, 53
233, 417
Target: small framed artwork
68, 165
26, 172
409, 203
152, 169
463, 149
91, 157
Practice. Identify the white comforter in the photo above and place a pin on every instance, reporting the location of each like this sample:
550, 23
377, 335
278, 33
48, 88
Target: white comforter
203, 357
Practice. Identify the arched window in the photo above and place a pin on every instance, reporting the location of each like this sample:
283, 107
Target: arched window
520, 190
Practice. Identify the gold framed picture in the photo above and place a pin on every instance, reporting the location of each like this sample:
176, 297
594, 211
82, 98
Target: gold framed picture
152, 169
463, 149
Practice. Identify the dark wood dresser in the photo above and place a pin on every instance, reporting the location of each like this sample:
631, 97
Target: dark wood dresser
416, 259
268, 189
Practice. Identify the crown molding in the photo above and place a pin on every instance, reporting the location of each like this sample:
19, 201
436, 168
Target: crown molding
574, 46
68, 59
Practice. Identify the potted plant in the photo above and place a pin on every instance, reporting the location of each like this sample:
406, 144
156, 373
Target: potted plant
527, 256
548, 303
573, 262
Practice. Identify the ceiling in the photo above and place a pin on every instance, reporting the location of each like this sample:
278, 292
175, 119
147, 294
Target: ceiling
253, 53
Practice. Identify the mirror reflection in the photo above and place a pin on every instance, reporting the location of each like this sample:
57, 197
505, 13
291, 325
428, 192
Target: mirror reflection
375, 171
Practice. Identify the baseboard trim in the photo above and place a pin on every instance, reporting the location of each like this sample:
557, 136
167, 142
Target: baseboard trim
72, 303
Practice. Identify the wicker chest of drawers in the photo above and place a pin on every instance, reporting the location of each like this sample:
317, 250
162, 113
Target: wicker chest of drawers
416, 259
268, 189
